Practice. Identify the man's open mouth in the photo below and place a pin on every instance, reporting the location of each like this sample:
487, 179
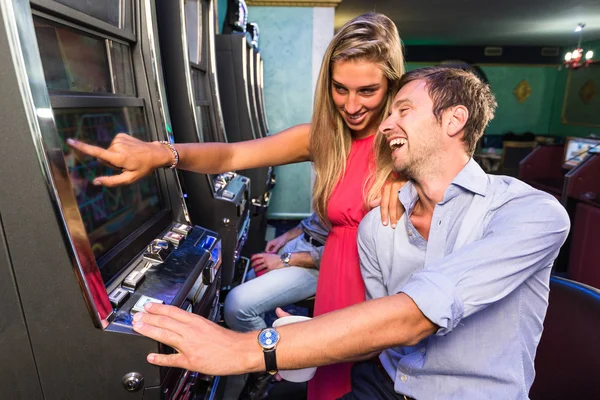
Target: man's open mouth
397, 143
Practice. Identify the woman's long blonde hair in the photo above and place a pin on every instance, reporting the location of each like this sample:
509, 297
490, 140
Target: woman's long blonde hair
369, 37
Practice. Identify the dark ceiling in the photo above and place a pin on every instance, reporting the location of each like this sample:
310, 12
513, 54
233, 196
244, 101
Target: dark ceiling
483, 22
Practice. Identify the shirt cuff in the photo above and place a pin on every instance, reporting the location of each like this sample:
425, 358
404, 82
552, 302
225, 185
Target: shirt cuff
436, 297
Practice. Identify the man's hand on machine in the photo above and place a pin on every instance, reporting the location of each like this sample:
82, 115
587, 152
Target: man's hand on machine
132, 156
201, 345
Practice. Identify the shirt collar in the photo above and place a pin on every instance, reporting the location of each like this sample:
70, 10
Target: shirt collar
471, 178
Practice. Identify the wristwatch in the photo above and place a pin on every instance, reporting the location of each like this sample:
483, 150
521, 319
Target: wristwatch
285, 258
268, 339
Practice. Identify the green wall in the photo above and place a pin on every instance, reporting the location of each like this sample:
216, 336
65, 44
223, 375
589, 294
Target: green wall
533, 114
286, 42
222, 10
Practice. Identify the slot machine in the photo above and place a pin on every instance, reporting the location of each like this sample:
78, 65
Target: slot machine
235, 79
260, 91
252, 69
217, 202
257, 77
77, 260
259, 87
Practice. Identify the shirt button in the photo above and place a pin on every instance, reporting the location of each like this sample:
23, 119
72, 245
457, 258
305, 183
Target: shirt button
404, 378
439, 223
409, 233
423, 350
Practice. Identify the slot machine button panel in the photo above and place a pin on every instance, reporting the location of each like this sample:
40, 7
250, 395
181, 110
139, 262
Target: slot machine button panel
228, 195
163, 244
207, 242
118, 297
182, 229
156, 254
142, 301
133, 280
174, 237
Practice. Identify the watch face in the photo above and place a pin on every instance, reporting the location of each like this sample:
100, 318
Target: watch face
268, 338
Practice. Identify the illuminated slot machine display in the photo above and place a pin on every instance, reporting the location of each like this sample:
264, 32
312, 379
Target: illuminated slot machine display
78, 260
235, 78
577, 150
218, 202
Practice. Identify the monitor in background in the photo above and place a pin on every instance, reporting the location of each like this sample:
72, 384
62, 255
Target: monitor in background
577, 149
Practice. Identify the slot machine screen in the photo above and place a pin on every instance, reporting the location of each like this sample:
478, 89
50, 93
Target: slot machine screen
110, 215
576, 149
118, 13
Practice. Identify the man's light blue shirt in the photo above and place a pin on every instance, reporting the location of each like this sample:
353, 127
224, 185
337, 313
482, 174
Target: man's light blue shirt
482, 277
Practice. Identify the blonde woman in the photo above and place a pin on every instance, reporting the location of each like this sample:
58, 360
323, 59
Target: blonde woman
357, 83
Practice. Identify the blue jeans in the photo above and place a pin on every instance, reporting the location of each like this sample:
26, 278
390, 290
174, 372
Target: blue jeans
246, 303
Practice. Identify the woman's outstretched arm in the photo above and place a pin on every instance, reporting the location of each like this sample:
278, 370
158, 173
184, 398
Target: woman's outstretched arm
137, 159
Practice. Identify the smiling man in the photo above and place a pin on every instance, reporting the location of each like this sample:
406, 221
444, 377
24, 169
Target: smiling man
459, 290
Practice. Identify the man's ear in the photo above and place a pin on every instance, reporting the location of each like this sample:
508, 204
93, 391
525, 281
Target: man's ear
457, 118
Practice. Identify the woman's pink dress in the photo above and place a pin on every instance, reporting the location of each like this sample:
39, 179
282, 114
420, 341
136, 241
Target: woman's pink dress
340, 283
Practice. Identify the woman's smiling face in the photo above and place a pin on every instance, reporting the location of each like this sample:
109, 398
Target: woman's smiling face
359, 90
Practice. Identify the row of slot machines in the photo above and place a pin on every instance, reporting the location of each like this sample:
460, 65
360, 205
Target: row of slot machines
571, 173
77, 261
215, 92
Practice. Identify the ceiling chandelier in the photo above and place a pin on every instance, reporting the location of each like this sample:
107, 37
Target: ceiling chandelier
578, 57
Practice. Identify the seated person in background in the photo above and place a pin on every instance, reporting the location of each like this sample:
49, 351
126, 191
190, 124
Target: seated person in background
458, 291
278, 279
283, 279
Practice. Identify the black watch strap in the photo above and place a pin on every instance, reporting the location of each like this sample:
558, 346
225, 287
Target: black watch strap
270, 361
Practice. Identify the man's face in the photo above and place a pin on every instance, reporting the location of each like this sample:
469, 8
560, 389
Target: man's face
412, 131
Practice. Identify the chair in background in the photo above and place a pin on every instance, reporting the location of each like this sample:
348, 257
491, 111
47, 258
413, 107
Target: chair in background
568, 357
512, 153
